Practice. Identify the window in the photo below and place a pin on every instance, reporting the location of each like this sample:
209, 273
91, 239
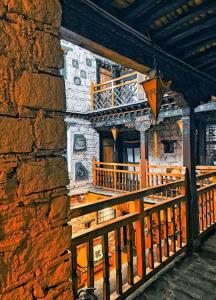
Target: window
106, 215
168, 146
210, 154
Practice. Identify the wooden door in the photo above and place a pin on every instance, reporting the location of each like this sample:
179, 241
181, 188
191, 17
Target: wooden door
108, 150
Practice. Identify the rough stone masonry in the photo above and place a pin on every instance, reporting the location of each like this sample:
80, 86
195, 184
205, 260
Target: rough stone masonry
34, 206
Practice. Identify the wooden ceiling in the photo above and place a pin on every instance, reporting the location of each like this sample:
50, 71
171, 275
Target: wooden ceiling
183, 34
184, 28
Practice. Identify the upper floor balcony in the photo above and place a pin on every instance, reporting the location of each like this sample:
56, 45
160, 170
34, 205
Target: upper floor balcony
121, 91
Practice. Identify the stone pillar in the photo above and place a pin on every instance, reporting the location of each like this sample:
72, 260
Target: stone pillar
189, 161
34, 206
142, 127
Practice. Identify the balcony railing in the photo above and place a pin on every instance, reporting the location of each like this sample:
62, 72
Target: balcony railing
117, 92
126, 177
155, 236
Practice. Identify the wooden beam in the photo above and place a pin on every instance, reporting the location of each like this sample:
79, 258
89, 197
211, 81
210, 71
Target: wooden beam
176, 25
101, 50
202, 57
163, 8
93, 24
136, 9
201, 26
199, 40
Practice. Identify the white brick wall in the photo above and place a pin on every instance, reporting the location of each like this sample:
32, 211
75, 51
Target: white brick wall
84, 127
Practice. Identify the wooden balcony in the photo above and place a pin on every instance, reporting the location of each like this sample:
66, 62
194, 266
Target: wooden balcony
120, 91
155, 235
127, 177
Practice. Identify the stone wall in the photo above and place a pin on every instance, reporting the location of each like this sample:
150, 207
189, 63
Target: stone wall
167, 130
34, 235
83, 127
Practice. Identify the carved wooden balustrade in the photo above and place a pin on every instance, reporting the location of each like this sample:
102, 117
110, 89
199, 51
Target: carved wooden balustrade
117, 92
155, 236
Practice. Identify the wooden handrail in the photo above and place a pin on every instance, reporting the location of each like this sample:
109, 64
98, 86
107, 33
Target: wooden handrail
116, 79
84, 209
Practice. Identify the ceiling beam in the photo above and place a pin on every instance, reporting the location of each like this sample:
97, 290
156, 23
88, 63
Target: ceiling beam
174, 26
162, 9
201, 58
193, 31
136, 9
199, 40
89, 21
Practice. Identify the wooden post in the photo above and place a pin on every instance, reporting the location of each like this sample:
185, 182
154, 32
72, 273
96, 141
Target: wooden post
92, 95
113, 95
94, 170
189, 161
143, 160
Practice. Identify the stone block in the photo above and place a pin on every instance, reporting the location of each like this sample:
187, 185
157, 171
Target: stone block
40, 91
42, 175
60, 207
47, 51
48, 12
16, 135
50, 133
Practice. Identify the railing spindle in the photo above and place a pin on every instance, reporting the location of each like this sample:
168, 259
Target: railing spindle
130, 253
90, 267
106, 274
166, 234
118, 261
74, 272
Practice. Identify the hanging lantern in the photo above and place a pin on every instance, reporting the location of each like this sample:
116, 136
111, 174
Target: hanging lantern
180, 125
155, 89
114, 133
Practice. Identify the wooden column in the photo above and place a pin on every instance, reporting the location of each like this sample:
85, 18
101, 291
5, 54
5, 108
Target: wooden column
143, 159
140, 230
189, 161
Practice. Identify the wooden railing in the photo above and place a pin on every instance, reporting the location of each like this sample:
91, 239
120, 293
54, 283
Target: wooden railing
119, 91
116, 176
155, 235
126, 177
206, 190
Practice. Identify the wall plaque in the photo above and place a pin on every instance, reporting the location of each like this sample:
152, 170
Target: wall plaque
79, 143
81, 173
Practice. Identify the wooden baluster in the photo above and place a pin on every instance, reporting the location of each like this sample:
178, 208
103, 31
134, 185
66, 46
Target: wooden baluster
130, 253
140, 239
115, 180
173, 241
205, 210
74, 272
118, 261
214, 204
90, 267
166, 234
211, 207
106, 282
150, 240
201, 212
158, 237
184, 222
208, 208
179, 226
